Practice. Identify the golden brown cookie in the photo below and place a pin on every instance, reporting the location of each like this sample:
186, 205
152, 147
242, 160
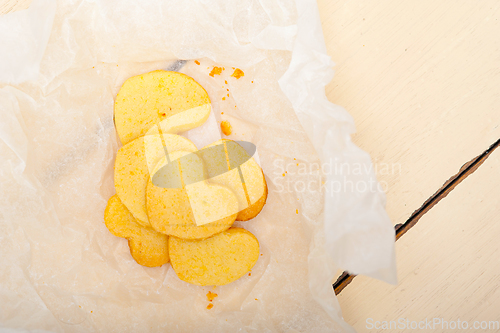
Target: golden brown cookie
218, 260
254, 209
239, 172
148, 247
133, 164
181, 203
147, 99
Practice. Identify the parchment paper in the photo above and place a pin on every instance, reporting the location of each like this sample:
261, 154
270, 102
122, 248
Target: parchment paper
61, 65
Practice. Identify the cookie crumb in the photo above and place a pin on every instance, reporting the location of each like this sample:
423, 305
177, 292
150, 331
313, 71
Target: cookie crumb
215, 71
238, 73
197, 62
209, 306
226, 128
211, 296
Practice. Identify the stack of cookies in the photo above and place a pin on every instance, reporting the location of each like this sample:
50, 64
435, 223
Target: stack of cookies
175, 203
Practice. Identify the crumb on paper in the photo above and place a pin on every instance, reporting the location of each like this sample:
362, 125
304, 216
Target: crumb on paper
211, 296
283, 175
223, 98
226, 128
297, 211
249, 274
227, 89
222, 113
209, 306
252, 81
256, 299
215, 71
197, 62
225, 81
238, 73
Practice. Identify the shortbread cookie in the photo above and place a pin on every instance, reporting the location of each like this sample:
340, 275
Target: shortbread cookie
148, 247
218, 260
133, 166
147, 99
229, 164
181, 203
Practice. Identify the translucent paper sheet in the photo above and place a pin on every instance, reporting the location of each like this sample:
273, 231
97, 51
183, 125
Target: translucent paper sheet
61, 65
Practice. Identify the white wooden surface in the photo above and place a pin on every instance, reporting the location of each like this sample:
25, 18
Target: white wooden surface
449, 262
421, 79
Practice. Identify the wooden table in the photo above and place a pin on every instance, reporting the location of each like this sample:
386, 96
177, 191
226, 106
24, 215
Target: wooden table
422, 81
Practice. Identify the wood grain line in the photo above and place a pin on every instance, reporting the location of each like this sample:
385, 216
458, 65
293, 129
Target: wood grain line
401, 228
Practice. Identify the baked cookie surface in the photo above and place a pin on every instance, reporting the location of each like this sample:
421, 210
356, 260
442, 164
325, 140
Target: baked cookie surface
147, 247
218, 260
145, 100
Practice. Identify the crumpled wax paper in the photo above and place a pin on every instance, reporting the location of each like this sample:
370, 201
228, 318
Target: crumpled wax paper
63, 63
